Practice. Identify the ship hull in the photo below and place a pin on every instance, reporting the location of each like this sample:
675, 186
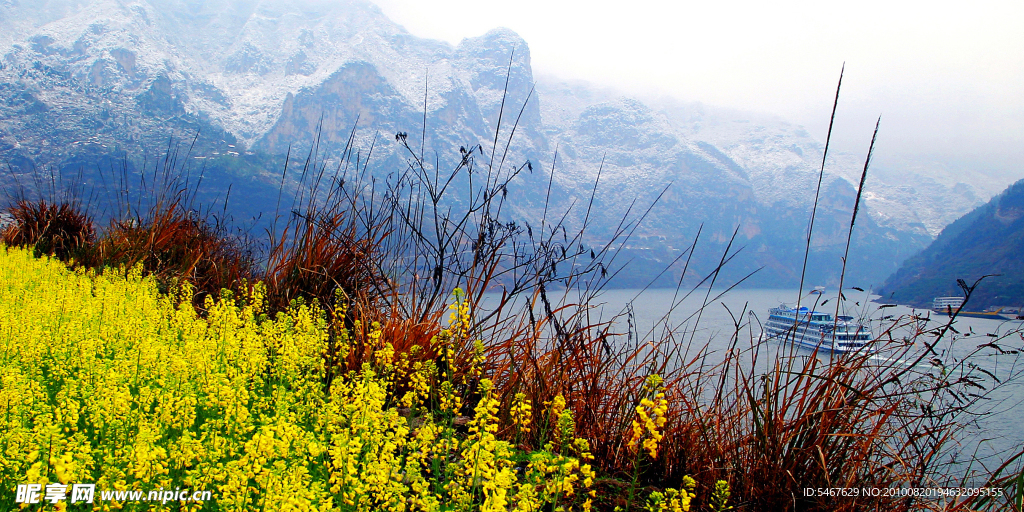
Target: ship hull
979, 314
809, 342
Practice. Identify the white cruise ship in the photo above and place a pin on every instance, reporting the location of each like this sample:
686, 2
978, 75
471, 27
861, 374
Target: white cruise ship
946, 304
816, 330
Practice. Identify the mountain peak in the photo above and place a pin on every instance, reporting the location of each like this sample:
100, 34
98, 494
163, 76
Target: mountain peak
497, 46
501, 35
497, 67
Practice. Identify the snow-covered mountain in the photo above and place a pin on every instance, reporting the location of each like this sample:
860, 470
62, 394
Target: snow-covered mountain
84, 79
782, 160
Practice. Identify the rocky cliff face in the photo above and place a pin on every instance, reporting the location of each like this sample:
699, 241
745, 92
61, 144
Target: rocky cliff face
988, 241
89, 81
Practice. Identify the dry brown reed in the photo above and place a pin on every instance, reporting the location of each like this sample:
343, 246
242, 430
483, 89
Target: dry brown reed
60, 229
175, 245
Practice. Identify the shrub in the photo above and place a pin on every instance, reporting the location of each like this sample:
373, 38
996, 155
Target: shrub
60, 229
178, 245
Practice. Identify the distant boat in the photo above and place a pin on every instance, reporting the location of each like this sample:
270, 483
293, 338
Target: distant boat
816, 330
818, 289
952, 306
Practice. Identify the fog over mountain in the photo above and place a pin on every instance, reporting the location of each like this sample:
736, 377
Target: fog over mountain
84, 82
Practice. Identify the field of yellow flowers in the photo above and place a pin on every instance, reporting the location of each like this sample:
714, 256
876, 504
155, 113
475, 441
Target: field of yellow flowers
106, 381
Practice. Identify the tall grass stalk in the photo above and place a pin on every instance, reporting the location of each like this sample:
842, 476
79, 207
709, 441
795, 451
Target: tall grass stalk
817, 190
853, 217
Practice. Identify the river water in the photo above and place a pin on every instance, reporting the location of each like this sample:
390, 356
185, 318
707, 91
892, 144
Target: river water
993, 432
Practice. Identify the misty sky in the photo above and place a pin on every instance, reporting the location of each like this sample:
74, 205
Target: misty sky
947, 77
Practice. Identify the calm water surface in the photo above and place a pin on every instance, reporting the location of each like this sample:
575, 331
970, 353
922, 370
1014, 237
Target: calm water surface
648, 314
